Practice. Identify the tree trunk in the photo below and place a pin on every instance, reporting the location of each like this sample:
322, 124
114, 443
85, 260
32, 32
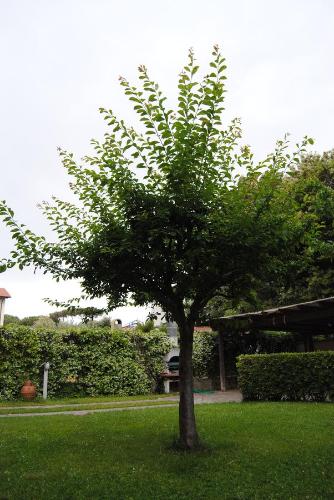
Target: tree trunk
188, 434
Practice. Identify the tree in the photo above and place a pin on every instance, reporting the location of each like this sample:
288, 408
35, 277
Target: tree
311, 186
310, 275
44, 322
86, 314
9, 319
29, 320
168, 215
37, 321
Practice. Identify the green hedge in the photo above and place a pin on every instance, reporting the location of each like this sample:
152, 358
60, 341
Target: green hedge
294, 376
84, 360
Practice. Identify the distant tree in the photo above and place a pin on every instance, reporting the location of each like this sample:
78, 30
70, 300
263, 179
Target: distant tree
37, 321
44, 322
170, 215
310, 274
87, 314
9, 319
58, 316
311, 186
29, 320
104, 321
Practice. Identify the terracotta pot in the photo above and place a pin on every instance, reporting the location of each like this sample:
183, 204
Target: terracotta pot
28, 390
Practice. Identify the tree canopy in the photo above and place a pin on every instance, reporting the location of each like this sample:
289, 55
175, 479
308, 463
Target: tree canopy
312, 188
168, 214
86, 314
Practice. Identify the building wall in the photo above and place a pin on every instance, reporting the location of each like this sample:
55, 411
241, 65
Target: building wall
173, 336
2, 311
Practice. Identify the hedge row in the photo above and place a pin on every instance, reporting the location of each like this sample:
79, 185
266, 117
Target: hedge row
84, 361
307, 376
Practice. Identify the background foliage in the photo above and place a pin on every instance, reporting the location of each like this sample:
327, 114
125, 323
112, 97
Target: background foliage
307, 376
83, 360
309, 275
206, 356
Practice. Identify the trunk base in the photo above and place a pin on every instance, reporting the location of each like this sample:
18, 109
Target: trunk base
188, 438
181, 446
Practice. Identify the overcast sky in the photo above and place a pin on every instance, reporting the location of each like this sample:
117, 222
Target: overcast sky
60, 61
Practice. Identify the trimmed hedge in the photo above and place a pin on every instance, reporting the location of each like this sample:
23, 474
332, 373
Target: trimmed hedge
307, 376
86, 360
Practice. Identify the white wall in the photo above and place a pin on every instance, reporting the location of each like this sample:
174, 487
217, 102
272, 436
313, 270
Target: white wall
2, 310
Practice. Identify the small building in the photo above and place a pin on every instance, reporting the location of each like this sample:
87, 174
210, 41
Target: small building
171, 375
116, 323
3, 296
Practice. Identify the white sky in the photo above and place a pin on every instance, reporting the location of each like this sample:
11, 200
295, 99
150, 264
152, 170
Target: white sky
60, 61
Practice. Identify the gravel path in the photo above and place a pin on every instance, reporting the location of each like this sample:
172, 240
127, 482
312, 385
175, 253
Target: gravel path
66, 405
204, 398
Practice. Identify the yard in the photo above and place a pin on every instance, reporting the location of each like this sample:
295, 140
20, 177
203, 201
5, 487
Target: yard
255, 450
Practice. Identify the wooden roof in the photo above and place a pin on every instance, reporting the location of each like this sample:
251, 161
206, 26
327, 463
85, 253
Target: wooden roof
4, 294
316, 317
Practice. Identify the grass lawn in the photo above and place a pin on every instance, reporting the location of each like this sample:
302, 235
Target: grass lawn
257, 451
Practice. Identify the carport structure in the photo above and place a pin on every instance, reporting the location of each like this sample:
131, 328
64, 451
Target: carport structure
307, 319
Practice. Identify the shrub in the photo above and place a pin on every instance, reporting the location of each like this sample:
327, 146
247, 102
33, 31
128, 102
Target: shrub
205, 354
83, 360
307, 376
145, 327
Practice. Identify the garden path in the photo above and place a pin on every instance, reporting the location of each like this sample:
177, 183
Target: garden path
172, 401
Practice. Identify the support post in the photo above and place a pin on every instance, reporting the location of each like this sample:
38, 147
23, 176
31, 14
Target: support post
308, 342
222, 370
2, 310
166, 386
45, 380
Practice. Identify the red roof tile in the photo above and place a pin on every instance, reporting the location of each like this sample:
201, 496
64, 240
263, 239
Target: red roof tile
4, 294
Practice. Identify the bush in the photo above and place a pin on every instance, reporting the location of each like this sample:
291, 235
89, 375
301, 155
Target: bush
83, 360
205, 354
307, 376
